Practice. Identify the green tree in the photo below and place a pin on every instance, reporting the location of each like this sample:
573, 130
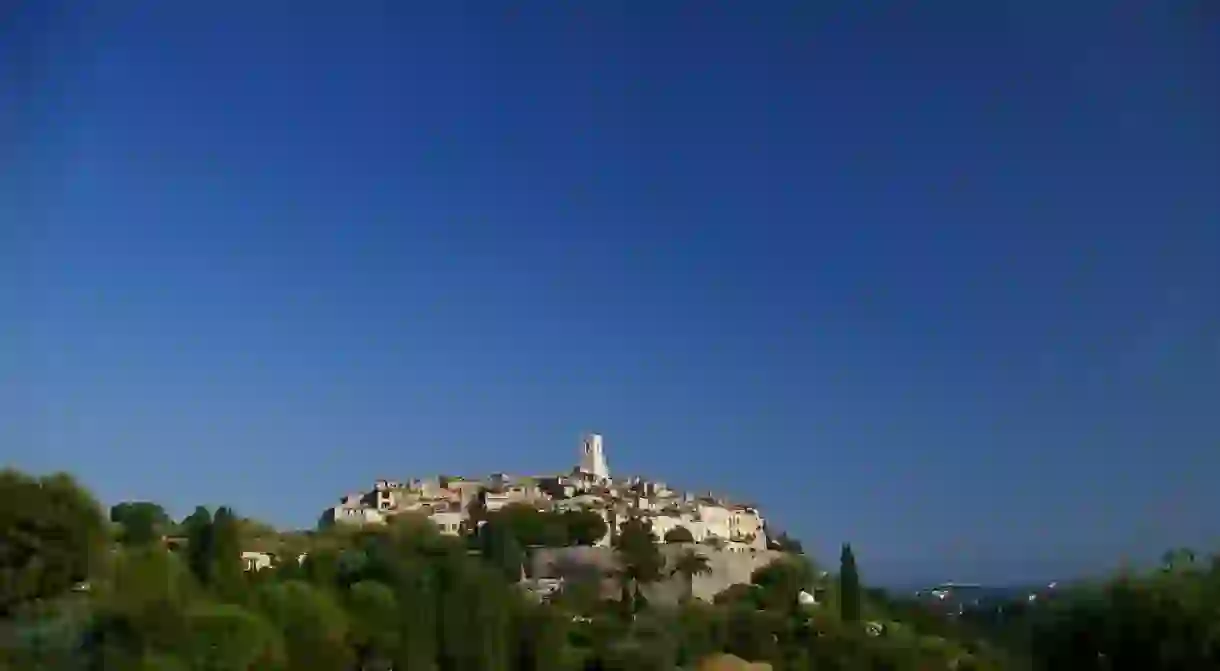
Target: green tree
141, 605
1164, 619
500, 547
530, 526
746, 596
473, 616
51, 536
780, 582
699, 632
688, 565
225, 550
650, 645
753, 635
488, 615
476, 510
417, 596
139, 522
315, 627
322, 567
583, 527
640, 560
849, 585
45, 635
541, 638
198, 530
227, 637
679, 535
374, 634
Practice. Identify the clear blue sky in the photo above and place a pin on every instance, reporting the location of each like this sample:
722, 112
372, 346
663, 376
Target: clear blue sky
940, 281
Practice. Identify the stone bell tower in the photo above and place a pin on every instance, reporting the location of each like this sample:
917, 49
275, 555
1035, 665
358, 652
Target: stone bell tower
593, 459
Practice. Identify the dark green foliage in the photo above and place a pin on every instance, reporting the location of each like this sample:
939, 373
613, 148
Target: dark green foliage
45, 635
226, 637
698, 628
752, 634
225, 550
322, 566
745, 595
139, 522
197, 527
373, 613
314, 626
849, 586
52, 534
417, 592
679, 535
406, 598
1164, 620
780, 582
583, 527
650, 645
541, 638
143, 604
536, 528
499, 546
640, 562
638, 551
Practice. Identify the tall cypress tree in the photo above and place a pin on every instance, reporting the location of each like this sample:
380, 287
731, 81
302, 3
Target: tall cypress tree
419, 631
140, 522
198, 529
500, 548
226, 573
849, 586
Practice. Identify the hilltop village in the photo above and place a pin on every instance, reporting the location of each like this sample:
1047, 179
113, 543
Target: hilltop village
450, 501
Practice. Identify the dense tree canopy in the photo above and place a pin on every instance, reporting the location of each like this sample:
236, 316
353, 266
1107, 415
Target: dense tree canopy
52, 535
500, 547
532, 527
405, 597
679, 535
1167, 619
584, 527
640, 559
139, 522
781, 581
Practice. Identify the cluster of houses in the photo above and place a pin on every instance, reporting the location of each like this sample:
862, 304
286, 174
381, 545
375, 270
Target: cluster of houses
448, 502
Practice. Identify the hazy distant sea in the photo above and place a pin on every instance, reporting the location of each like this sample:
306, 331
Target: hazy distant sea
989, 592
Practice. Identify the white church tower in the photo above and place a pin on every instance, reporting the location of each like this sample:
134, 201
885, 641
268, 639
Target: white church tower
593, 459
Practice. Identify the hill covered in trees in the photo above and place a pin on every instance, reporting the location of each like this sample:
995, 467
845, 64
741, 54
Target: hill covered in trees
81, 591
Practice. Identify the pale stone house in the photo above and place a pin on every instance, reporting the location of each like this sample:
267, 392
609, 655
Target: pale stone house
448, 522
256, 561
352, 510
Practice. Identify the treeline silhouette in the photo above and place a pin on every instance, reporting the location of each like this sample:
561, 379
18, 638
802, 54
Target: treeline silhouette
139, 591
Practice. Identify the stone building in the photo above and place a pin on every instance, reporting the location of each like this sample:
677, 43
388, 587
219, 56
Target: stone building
447, 501
728, 566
